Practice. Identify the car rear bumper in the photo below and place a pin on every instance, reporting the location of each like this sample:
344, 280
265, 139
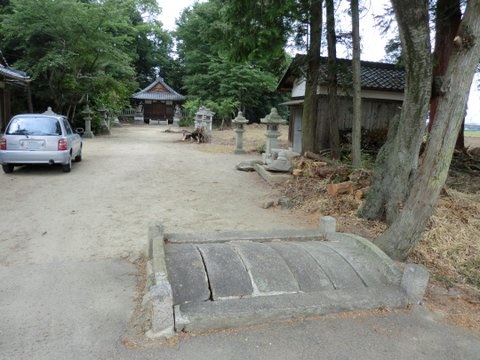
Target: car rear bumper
34, 157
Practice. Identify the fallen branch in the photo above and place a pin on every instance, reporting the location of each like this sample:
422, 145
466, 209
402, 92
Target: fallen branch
313, 156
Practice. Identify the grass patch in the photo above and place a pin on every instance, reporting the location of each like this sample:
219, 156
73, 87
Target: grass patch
450, 247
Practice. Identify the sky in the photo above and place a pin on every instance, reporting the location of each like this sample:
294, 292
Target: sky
171, 9
372, 42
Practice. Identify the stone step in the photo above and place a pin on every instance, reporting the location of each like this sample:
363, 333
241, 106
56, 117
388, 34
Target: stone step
221, 280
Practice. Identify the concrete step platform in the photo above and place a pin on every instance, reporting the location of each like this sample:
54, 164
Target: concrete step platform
221, 280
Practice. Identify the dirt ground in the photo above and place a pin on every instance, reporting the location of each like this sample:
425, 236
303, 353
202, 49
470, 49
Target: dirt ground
106, 218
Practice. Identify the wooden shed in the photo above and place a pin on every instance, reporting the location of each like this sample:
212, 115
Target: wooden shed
9, 80
158, 101
382, 96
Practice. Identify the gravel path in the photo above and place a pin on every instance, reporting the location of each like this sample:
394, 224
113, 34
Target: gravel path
103, 208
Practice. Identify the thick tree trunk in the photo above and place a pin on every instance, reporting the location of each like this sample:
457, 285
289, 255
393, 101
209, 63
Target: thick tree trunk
448, 17
334, 137
397, 161
404, 233
357, 97
310, 105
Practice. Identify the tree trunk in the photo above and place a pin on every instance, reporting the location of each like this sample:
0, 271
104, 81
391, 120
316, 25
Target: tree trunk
397, 160
460, 144
448, 17
404, 233
357, 96
334, 137
310, 104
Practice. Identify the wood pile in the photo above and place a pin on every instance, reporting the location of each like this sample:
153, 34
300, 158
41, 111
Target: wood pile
340, 178
199, 135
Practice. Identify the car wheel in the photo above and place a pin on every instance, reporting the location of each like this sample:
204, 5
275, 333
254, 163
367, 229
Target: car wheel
78, 158
7, 168
68, 166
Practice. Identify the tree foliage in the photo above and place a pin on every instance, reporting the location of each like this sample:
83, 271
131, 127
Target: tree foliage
211, 72
260, 30
268, 27
94, 48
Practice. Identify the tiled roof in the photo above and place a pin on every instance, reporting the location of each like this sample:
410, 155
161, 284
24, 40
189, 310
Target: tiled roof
13, 74
158, 90
374, 75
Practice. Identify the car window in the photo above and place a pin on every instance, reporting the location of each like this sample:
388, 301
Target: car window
34, 126
68, 128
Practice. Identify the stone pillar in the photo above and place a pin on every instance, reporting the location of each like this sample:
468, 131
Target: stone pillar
414, 282
238, 122
272, 120
159, 296
88, 122
328, 225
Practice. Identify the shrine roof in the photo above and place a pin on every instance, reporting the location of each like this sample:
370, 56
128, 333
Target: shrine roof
158, 90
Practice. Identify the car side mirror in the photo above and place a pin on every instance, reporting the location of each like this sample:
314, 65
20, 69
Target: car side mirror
79, 131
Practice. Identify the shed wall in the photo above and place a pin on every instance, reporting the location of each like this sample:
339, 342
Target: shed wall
376, 114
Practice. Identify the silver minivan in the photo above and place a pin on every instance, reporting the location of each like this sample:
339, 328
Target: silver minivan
40, 139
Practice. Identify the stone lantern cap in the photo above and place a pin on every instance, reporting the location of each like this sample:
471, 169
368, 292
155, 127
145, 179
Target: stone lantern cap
273, 118
204, 112
49, 111
240, 119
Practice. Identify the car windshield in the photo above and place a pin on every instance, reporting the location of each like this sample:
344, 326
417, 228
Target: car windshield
34, 126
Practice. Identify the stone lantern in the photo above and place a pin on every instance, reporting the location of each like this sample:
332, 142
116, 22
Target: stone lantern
204, 118
88, 122
238, 122
272, 120
177, 116
104, 114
